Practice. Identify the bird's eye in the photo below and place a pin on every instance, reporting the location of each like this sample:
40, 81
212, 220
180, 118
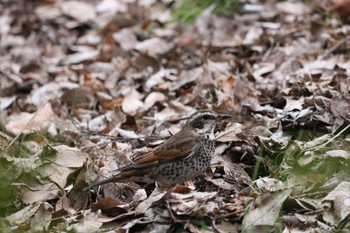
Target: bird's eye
207, 117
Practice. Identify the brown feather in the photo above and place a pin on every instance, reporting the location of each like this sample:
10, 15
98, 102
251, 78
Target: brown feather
176, 147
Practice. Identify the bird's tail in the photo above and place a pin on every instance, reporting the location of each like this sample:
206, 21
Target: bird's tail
124, 176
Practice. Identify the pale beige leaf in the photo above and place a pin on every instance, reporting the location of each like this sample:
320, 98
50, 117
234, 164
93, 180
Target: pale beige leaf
29, 122
264, 212
154, 47
45, 192
132, 103
230, 134
80, 11
24, 214
42, 218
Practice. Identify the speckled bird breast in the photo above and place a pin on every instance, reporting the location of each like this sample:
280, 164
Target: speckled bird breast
188, 168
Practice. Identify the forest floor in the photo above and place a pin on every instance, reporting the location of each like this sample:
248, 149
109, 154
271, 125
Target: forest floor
84, 85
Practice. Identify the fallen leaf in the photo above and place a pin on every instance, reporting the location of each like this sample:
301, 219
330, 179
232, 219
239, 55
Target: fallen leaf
88, 224
68, 157
181, 189
40, 193
132, 103
340, 199
154, 47
230, 133
296, 8
264, 212
153, 98
159, 78
126, 133
6, 101
293, 104
30, 122
111, 6
77, 97
42, 218
338, 154
267, 184
24, 214
109, 206
79, 57
189, 203
155, 196
80, 11
126, 38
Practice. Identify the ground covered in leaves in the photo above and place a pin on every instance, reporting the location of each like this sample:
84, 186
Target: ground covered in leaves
84, 85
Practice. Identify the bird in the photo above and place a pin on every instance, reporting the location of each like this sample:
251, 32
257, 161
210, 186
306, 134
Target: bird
182, 157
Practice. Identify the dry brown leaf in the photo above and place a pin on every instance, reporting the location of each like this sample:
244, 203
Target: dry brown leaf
342, 7
260, 64
230, 134
181, 189
31, 122
77, 97
109, 206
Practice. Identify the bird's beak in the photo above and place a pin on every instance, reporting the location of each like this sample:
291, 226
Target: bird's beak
224, 116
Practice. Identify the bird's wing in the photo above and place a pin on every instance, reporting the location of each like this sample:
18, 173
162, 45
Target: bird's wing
178, 146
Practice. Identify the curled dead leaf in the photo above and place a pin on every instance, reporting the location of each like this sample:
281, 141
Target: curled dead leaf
181, 189
109, 206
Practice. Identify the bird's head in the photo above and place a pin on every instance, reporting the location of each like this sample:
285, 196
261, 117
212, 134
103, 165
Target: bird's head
204, 121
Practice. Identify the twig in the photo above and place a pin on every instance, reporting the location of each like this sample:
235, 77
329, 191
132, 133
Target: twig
28, 123
330, 140
335, 47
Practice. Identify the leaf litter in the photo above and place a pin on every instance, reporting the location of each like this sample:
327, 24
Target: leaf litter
82, 93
